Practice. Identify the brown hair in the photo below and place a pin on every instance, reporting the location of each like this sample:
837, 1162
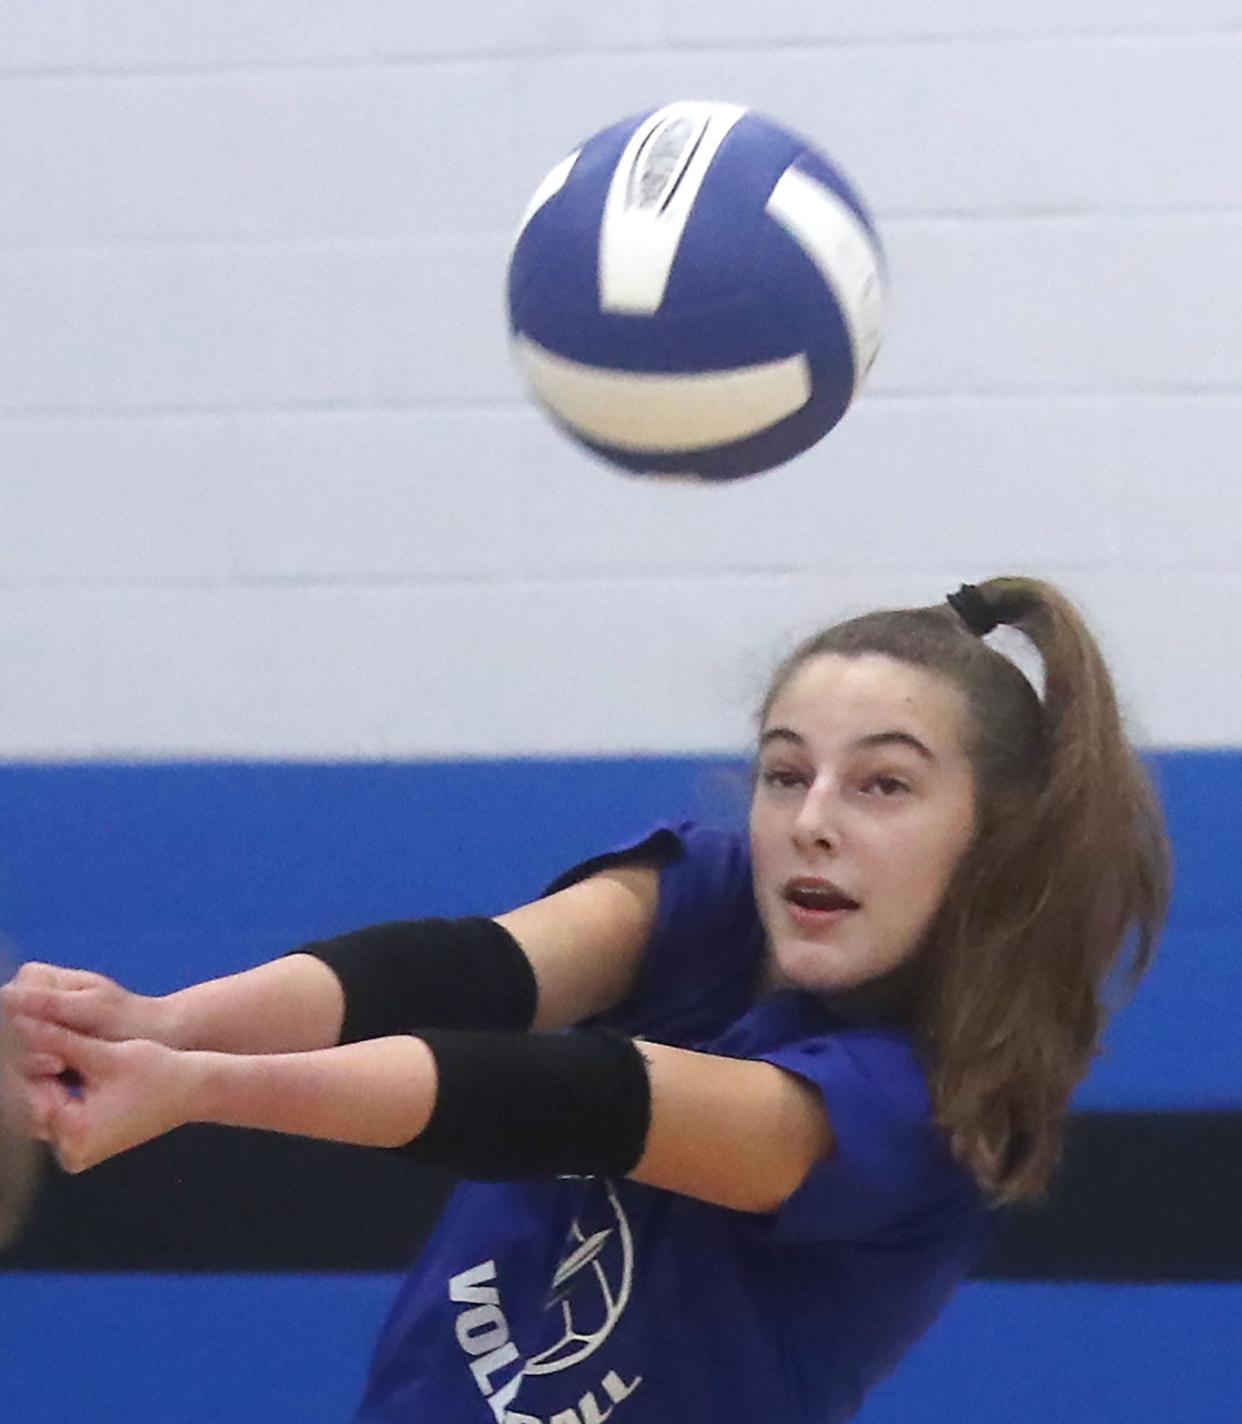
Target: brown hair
1061, 894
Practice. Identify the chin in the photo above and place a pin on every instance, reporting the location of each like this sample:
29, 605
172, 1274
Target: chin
816, 967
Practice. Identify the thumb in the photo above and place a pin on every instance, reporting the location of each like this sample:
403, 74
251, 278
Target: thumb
68, 1132
75, 1050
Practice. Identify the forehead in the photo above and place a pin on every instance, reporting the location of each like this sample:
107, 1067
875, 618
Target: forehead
833, 695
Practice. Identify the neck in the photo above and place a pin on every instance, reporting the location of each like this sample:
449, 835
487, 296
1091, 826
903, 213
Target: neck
888, 999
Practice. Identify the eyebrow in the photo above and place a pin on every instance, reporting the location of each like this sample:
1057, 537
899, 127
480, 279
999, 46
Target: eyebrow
872, 739
901, 739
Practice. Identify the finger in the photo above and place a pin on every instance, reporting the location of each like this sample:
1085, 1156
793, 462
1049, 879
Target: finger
75, 1050
69, 1007
51, 976
35, 972
33, 1102
38, 1065
70, 1137
24, 1061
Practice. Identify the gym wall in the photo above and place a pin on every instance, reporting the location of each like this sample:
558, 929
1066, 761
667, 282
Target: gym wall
308, 618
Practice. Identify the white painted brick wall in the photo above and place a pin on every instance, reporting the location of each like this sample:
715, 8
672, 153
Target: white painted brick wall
269, 485
527, 27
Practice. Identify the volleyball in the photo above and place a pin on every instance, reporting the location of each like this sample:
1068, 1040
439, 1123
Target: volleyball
696, 292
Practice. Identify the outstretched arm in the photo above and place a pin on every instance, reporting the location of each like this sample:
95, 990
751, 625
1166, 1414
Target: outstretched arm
584, 945
735, 1133
291, 1004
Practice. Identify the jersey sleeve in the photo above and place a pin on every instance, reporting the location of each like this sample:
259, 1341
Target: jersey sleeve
700, 964
890, 1175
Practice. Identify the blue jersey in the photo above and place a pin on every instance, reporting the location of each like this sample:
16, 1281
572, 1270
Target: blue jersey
576, 1300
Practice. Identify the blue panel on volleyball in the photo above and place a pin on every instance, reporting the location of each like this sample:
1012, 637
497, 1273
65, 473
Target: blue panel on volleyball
695, 292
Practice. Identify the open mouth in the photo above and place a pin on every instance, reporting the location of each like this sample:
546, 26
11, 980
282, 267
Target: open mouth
813, 895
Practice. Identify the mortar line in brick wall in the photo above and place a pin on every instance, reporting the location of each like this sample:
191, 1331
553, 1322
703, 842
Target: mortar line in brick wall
663, 45
332, 68
528, 581
213, 243
309, 407
998, 37
1066, 213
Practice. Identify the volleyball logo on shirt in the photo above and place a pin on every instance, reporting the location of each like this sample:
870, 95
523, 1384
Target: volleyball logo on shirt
592, 1285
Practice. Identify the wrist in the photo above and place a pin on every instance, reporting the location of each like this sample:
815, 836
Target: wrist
374, 1094
205, 1084
167, 1021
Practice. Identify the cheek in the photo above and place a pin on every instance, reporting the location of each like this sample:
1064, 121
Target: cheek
919, 870
941, 858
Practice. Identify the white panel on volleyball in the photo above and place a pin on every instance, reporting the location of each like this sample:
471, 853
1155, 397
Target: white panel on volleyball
831, 234
652, 194
692, 411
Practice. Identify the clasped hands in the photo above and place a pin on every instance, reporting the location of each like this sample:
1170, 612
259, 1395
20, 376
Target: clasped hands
89, 1064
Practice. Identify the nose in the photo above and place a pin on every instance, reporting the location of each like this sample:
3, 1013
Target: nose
815, 826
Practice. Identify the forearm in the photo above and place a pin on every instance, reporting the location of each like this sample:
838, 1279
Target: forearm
375, 1094
548, 965
292, 1005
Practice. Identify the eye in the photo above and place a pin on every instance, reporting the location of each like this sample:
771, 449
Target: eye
782, 778
886, 785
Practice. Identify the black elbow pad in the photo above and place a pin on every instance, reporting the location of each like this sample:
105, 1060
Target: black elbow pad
510, 1106
408, 975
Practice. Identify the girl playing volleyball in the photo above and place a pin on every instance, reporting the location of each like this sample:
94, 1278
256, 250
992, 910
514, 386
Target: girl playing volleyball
732, 1112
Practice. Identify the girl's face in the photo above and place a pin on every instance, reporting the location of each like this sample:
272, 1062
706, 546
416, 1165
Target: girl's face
863, 806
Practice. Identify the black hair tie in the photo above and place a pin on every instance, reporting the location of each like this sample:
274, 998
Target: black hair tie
974, 610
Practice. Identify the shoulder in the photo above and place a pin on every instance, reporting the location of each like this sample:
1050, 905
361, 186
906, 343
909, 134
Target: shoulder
891, 1171
879, 1062
705, 887
702, 955
711, 874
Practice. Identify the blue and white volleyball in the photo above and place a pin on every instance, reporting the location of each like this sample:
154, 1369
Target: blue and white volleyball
696, 292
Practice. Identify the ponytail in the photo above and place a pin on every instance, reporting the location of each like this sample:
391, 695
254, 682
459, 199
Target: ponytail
1062, 895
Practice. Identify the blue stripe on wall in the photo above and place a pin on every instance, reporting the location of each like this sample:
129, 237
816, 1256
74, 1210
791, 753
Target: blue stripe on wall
162, 874
1026, 1354
115, 1350
185, 1350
